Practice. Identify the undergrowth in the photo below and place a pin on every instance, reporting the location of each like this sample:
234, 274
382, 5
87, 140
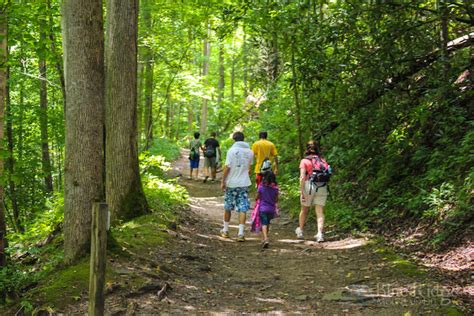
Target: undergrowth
35, 274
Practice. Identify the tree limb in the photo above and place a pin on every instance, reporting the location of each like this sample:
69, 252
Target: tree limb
417, 65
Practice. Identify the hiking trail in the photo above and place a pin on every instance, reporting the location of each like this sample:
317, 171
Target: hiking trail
209, 274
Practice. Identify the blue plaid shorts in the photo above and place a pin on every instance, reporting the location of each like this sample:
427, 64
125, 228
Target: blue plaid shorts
237, 198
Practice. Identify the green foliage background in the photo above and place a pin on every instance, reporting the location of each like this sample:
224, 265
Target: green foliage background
350, 74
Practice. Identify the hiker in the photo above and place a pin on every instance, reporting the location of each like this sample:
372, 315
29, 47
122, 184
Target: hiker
265, 206
264, 149
194, 146
212, 152
314, 174
235, 183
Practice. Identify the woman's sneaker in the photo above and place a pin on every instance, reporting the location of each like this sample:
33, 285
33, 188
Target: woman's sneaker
299, 233
265, 244
319, 237
240, 238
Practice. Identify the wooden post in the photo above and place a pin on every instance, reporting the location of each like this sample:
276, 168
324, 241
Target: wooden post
98, 259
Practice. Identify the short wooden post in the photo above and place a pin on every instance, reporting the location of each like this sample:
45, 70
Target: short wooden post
98, 259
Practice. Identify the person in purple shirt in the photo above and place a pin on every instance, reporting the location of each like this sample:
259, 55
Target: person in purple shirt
267, 197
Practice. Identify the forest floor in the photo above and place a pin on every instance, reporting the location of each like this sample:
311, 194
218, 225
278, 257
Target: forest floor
207, 274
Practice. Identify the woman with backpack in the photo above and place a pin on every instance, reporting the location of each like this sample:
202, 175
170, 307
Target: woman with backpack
194, 146
314, 175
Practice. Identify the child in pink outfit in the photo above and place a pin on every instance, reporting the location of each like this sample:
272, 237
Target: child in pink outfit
266, 206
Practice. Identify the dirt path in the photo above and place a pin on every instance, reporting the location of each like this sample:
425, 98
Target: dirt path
213, 275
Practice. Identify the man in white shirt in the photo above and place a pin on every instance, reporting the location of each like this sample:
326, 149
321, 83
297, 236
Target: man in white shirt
236, 182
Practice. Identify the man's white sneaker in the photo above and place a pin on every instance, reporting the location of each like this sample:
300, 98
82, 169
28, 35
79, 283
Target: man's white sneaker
299, 233
319, 237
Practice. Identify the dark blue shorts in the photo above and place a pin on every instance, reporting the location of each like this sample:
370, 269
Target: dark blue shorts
265, 218
194, 164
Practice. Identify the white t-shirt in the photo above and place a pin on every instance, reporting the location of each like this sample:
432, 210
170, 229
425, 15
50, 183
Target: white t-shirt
239, 159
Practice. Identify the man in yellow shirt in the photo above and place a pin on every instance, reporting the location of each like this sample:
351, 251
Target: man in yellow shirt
264, 149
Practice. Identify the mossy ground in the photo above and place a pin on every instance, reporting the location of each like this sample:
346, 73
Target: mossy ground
64, 286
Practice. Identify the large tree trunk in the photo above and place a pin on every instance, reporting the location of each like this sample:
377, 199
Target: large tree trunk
124, 191
46, 160
205, 73
3, 90
83, 45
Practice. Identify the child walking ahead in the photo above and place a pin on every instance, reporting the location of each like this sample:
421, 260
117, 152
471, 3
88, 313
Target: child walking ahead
266, 206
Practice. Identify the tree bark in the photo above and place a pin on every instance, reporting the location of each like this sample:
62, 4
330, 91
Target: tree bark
3, 90
205, 73
43, 117
124, 190
83, 46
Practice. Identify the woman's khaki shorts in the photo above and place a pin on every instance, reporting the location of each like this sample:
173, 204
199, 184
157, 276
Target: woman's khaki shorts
315, 198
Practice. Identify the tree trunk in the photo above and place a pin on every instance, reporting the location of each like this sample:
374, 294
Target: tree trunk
148, 60
124, 190
83, 45
141, 71
205, 73
10, 163
245, 65
167, 128
444, 38
232, 77
46, 160
221, 82
297, 103
190, 117
178, 116
3, 90
149, 102
57, 56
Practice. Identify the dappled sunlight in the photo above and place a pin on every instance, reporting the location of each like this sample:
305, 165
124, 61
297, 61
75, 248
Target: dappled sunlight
347, 243
270, 300
215, 237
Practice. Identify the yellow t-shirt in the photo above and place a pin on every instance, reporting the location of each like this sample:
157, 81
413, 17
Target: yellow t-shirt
263, 149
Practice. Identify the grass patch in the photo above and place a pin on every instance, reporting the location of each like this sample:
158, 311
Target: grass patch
399, 264
143, 233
